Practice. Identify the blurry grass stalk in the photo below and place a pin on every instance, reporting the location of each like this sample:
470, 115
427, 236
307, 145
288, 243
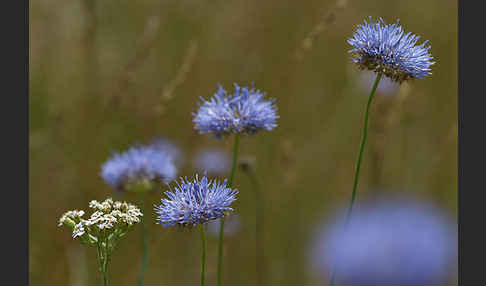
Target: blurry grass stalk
358, 161
144, 241
221, 225
181, 74
325, 22
203, 258
180, 77
144, 45
90, 46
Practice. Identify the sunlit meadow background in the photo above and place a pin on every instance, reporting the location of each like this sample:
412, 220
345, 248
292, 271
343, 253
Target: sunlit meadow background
106, 74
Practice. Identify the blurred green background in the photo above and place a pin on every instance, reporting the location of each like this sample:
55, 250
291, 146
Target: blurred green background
106, 74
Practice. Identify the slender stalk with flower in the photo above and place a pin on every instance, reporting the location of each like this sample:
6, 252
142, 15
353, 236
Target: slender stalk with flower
138, 170
388, 51
244, 111
194, 203
110, 222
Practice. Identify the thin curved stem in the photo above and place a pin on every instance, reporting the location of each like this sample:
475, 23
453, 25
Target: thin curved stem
203, 258
235, 159
361, 147
144, 243
105, 278
105, 264
221, 225
100, 255
358, 161
220, 250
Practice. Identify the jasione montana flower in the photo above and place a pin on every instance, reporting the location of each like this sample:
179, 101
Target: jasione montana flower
195, 201
139, 164
389, 50
244, 111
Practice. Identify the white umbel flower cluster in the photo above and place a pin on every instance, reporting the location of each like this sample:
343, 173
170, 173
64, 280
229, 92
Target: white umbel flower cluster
108, 217
78, 230
109, 213
73, 215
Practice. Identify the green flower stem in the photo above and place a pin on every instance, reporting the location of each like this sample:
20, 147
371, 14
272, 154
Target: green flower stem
144, 242
235, 159
106, 258
358, 162
103, 261
100, 263
221, 225
203, 258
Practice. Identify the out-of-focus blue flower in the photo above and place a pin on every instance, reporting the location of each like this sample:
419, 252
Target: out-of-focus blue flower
170, 147
389, 243
244, 111
232, 225
138, 164
195, 201
385, 87
213, 161
389, 50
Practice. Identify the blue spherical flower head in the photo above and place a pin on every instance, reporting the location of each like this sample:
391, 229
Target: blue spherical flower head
169, 146
387, 49
138, 168
213, 161
389, 243
244, 111
194, 202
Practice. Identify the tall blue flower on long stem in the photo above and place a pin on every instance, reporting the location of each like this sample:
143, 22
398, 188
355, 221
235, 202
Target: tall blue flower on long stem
196, 202
244, 111
389, 242
386, 50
